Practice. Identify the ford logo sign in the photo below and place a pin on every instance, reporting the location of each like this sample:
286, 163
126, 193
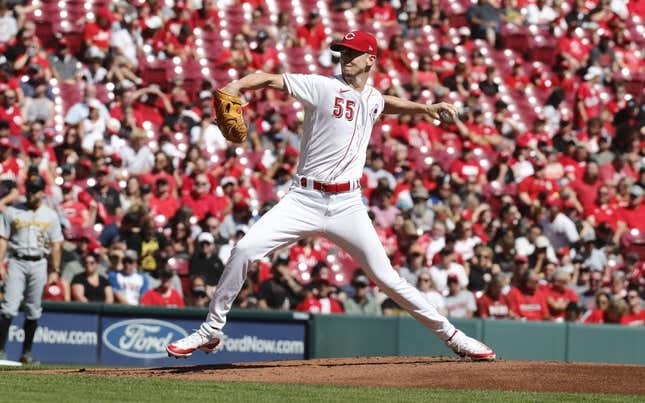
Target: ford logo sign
141, 338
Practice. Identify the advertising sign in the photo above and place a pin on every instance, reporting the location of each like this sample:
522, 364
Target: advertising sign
65, 338
141, 342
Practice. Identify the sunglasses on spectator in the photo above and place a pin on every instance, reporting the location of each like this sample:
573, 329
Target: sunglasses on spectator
202, 183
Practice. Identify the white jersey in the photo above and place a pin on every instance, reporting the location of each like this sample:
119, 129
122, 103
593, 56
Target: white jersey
337, 126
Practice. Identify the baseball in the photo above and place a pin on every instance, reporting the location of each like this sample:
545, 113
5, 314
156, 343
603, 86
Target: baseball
445, 116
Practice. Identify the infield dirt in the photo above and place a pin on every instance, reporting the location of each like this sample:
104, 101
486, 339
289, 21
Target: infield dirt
422, 372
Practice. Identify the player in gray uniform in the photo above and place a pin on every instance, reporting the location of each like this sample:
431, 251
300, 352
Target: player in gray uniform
28, 233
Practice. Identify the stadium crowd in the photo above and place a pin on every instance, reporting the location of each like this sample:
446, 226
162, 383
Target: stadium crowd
532, 207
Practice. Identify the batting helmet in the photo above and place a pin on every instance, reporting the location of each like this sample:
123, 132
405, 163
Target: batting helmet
34, 184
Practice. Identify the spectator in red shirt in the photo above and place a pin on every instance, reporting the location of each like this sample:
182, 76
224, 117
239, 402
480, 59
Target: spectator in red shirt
161, 169
265, 57
572, 49
559, 294
200, 200
633, 215
10, 112
493, 304
526, 301
588, 103
319, 299
162, 202
466, 169
312, 34
206, 17
636, 314
586, 188
395, 57
381, 12
98, 33
603, 210
164, 295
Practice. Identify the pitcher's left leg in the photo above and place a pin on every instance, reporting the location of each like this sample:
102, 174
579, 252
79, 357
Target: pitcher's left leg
354, 233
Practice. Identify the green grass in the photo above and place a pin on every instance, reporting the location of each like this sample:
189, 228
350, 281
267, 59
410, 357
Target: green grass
19, 386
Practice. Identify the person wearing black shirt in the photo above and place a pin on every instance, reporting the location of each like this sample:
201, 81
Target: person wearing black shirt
281, 291
204, 261
481, 266
89, 286
103, 193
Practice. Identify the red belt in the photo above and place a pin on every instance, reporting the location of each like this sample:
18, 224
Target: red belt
328, 187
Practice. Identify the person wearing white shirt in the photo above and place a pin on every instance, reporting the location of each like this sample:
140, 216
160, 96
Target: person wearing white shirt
138, 159
446, 267
8, 24
540, 13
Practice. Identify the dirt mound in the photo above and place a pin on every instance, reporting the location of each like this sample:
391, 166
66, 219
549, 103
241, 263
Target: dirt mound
419, 372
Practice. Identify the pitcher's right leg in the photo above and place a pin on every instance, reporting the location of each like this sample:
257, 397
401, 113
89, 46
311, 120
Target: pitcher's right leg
284, 224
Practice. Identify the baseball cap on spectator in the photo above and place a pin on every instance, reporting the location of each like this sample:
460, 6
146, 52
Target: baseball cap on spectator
563, 251
357, 40
84, 163
262, 35
94, 103
521, 259
453, 278
542, 242
420, 193
103, 170
165, 273
5, 142
636, 191
206, 237
131, 255
554, 200
467, 215
593, 72
360, 280
67, 187
113, 125
116, 159
227, 180
34, 152
290, 152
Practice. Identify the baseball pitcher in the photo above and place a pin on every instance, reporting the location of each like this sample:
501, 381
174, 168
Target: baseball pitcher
325, 197
28, 233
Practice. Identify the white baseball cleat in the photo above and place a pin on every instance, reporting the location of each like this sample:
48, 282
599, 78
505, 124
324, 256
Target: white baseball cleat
465, 346
205, 338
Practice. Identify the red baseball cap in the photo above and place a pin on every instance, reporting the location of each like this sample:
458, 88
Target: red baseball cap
357, 40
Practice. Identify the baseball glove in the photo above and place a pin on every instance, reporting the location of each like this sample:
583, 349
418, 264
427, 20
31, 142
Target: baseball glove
230, 119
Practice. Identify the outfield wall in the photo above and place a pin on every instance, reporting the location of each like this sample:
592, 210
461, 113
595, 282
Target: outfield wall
117, 335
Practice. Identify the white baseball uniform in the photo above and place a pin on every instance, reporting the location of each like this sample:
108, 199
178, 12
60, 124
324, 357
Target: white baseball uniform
337, 128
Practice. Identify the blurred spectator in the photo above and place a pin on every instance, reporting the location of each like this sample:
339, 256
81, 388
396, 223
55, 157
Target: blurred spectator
416, 265
320, 298
384, 212
312, 33
559, 295
205, 262
494, 304
8, 24
445, 266
526, 300
362, 302
636, 314
281, 291
81, 110
597, 315
540, 13
428, 290
460, 303
90, 286
484, 19
481, 268
129, 285
197, 295
588, 299
163, 295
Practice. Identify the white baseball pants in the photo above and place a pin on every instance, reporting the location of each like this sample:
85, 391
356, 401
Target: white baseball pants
343, 219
